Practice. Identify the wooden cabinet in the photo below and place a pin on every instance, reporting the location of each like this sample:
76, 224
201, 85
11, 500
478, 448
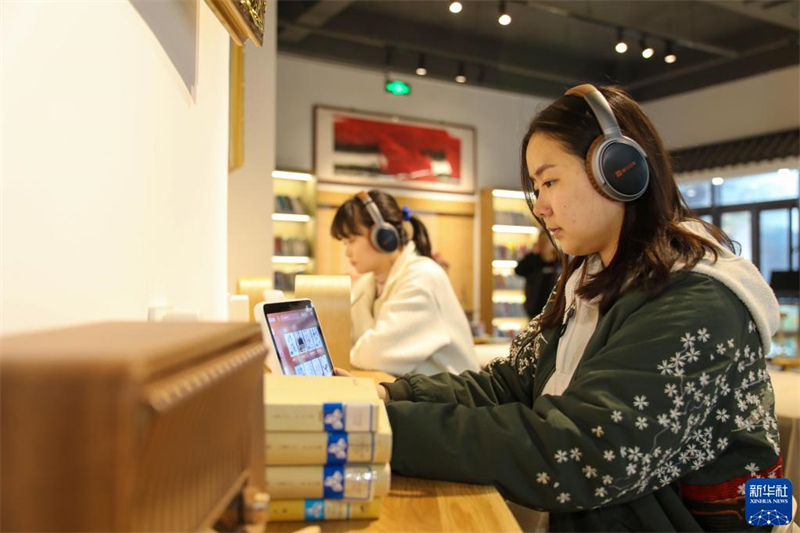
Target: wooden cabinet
507, 233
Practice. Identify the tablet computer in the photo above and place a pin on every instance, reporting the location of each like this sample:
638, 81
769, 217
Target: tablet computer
296, 337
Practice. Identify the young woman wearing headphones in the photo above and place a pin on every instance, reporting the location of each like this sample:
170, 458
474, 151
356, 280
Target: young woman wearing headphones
405, 315
639, 399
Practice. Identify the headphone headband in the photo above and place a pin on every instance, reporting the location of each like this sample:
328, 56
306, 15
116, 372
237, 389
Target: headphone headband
600, 108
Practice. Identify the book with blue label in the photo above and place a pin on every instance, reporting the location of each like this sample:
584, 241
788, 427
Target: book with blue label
332, 482
313, 510
308, 403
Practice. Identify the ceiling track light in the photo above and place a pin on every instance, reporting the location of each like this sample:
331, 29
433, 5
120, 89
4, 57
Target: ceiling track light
504, 18
670, 56
456, 7
421, 70
647, 51
461, 77
621, 47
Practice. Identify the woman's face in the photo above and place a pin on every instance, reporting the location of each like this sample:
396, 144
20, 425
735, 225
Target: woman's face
362, 255
580, 219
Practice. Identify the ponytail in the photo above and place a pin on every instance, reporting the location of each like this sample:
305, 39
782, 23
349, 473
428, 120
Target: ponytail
421, 240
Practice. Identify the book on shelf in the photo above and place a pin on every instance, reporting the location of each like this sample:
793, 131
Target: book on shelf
332, 482
309, 403
331, 448
309, 510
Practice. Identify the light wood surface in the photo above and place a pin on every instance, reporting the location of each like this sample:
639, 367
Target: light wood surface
331, 297
422, 505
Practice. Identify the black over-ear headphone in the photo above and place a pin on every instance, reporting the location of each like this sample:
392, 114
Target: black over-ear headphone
384, 236
616, 164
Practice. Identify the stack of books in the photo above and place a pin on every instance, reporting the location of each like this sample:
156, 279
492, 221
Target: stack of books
328, 447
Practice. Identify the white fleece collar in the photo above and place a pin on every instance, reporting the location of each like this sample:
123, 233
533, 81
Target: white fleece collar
742, 278
738, 274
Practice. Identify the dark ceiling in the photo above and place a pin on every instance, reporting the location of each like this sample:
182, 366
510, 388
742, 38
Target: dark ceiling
550, 46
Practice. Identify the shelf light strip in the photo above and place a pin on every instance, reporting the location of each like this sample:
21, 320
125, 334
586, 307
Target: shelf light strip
504, 263
503, 193
501, 228
286, 175
287, 217
296, 259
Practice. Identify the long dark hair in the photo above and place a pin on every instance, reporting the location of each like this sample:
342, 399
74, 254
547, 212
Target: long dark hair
353, 214
651, 240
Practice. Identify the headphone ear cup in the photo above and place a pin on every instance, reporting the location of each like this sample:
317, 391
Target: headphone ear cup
617, 170
625, 170
591, 155
385, 238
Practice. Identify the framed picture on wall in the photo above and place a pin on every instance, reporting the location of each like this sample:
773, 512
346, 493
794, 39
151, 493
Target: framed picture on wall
376, 150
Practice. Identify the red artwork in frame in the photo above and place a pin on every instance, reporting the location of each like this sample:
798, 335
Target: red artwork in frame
386, 151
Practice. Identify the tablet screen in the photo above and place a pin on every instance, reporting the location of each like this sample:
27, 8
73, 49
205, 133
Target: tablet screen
298, 339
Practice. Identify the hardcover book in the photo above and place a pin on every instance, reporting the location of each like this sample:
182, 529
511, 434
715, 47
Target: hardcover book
309, 403
336, 482
309, 510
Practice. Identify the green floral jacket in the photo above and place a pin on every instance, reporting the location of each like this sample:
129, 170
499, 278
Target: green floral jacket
668, 413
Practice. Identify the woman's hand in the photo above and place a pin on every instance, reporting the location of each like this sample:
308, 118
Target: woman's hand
382, 394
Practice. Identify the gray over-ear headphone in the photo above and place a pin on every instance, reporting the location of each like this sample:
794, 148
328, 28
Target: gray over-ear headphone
616, 164
384, 236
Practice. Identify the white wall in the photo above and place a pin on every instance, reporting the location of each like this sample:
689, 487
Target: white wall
500, 118
113, 160
750, 106
250, 203
743, 108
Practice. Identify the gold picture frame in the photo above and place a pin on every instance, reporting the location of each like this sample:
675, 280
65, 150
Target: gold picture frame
236, 110
242, 18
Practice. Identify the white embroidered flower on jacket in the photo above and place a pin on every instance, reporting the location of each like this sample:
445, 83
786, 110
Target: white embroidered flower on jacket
641, 422
542, 478
616, 416
600, 492
563, 497
589, 471
561, 456
598, 431
702, 335
608, 480
609, 455
575, 454
688, 340
640, 402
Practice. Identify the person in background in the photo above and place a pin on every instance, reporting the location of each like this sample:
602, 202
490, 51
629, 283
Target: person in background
405, 314
639, 400
540, 270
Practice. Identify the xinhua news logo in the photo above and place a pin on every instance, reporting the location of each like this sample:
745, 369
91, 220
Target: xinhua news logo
768, 502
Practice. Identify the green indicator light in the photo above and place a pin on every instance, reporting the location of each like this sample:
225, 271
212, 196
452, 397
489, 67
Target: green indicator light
398, 87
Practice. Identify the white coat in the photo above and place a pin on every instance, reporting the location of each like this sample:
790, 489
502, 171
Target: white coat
417, 324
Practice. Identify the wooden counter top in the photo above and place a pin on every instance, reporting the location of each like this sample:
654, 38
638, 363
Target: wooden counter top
422, 505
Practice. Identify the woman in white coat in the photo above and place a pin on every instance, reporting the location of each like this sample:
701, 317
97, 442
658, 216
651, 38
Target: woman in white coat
405, 315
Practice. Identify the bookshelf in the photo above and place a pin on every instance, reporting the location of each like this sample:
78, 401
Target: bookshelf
294, 224
507, 233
